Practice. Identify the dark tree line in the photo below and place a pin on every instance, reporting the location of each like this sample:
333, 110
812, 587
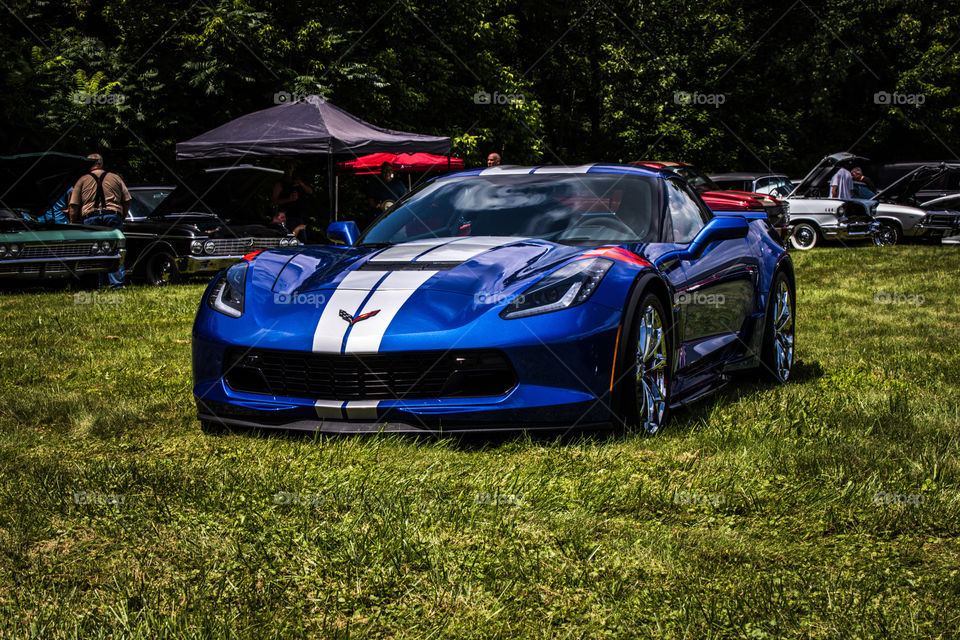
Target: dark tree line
728, 84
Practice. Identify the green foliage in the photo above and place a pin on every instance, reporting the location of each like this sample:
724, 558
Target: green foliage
595, 81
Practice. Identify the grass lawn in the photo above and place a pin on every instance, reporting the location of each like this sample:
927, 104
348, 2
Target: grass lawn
826, 508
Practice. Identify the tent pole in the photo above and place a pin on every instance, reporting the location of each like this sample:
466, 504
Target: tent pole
331, 189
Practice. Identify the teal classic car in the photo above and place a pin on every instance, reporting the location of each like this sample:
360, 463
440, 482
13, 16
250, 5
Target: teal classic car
29, 185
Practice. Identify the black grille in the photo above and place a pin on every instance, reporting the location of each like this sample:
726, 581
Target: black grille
378, 376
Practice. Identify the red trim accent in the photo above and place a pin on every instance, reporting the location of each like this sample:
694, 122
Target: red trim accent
253, 254
365, 316
616, 253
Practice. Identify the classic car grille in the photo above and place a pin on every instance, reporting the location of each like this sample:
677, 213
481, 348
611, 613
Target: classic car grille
242, 246
942, 220
57, 250
378, 376
50, 268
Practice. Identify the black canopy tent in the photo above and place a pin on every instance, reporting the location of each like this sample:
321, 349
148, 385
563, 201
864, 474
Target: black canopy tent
308, 127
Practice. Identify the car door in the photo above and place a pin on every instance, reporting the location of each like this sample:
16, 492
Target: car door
715, 291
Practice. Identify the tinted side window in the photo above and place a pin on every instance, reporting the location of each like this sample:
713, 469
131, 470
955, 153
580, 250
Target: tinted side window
685, 213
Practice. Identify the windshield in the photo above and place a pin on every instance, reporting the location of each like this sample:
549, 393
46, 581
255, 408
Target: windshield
696, 179
565, 208
144, 201
778, 186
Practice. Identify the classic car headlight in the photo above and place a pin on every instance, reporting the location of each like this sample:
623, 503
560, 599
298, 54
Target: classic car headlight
196, 247
3, 251
284, 242
226, 296
95, 248
840, 210
566, 287
294, 242
13, 250
209, 247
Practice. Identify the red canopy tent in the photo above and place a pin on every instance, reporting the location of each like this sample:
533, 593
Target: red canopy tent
402, 163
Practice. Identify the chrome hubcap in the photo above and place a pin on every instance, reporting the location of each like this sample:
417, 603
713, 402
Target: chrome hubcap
651, 370
886, 236
783, 331
804, 236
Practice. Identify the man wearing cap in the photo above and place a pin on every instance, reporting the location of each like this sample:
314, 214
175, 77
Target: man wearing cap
101, 198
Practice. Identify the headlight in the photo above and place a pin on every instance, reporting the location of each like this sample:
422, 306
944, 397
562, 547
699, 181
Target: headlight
226, 296
294, 242
284, 242
14, 250
95, 248
209, 247
840, 210
3, 250
566, 287
196, 247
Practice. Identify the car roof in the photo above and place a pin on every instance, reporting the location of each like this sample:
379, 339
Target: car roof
593, 168
746, 175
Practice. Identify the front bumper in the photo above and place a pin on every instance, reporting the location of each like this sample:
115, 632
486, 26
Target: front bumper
194, 265
563, 381
938, 229
49, 268
850, 230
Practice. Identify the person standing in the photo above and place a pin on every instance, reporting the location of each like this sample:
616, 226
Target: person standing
290, 196
493, 160
385, 189
841, 184
858, 176
101, 198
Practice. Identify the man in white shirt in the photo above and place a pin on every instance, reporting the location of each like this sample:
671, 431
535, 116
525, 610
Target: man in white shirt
841, 185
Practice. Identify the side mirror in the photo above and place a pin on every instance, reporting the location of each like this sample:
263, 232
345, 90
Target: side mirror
345, 232
719, 228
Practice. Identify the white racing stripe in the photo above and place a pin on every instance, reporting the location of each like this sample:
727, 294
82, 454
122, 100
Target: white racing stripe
409, 250
361, 409
356, 409
467, 250
365, 336
329, 409
350, 294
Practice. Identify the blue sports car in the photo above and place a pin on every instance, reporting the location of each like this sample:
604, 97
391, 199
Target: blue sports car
500, 298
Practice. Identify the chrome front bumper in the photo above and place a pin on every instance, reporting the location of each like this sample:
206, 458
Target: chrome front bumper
59, 267
205, 264
847, 231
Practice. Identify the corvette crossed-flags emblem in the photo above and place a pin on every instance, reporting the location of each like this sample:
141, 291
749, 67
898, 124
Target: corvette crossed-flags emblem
355, 319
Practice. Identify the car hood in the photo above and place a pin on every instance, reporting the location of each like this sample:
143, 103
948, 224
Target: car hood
907, 186
738, 200
474, 266
402, 290
228, 192
820, 172
33, 181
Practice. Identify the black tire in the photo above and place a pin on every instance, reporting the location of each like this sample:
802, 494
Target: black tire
887, 235
161, 269
805, 236
643, 367
779, 336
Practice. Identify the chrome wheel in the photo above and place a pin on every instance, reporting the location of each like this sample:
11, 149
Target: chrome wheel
886, 235
783, 325
651, 370
804, 237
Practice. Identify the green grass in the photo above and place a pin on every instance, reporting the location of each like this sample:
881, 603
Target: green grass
755, 514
